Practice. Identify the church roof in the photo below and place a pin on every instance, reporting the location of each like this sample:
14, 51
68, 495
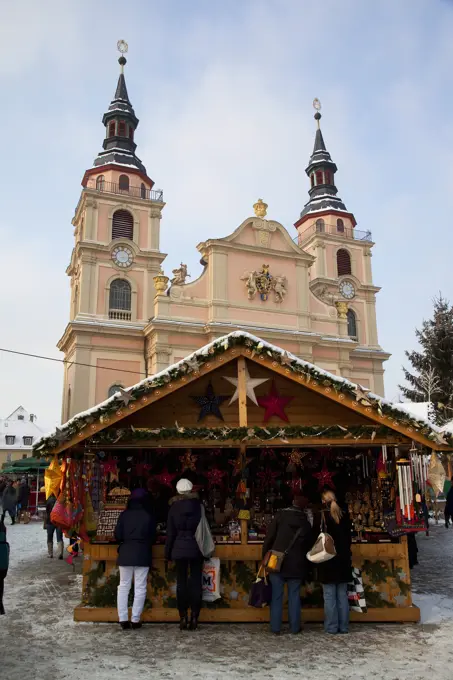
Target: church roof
88, 423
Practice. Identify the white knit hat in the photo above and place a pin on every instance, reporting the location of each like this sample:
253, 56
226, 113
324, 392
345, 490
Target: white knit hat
184, 486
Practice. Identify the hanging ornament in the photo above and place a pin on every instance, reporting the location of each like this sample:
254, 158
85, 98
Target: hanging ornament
268, 453
296, 484
285, 359
267, 478
361, 395
209, 403
239, 464
274, 404
250, 384
188, 461
193, 364
215, 477
142, 469
110, 467
436, 474
124, 395
294, 460
165, 478
324, 478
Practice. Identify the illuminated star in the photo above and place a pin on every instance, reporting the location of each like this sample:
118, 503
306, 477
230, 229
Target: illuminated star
274, 404
324, 478
250, 384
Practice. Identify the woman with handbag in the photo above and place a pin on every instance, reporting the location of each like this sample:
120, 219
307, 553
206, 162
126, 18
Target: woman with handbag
336, 573
287, 541
182, 548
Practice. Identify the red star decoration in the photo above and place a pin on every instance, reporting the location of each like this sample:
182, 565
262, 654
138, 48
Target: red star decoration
267, 478
274, 404
296, 484
215, 477
165, 478
324, 478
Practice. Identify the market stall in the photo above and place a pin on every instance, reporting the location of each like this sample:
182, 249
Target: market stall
249, 424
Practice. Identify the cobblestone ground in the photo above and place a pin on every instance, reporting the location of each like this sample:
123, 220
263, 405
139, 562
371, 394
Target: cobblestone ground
39, 640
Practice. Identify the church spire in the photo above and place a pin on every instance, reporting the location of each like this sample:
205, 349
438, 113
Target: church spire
321, 170
120, 123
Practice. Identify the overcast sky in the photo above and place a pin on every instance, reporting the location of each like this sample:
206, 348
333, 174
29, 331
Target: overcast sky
223, 91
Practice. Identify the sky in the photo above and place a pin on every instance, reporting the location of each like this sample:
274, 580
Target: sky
223, 91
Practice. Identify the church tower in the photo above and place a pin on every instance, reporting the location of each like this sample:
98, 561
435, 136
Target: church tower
115, 257
341, 274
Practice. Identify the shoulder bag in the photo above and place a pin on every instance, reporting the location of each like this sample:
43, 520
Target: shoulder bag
324, 548
273, 559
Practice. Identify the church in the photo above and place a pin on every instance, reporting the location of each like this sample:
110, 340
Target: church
307, 288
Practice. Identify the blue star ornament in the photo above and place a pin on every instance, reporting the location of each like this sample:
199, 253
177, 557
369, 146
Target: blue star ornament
209, 404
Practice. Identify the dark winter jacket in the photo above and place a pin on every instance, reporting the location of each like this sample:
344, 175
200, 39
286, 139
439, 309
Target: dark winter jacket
9, 500
50, 502
279, 537
135, 532
339, 568
4, 550
449, 503
23, 495
183, 518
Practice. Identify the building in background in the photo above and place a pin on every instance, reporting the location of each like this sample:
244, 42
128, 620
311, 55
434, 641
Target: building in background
310, 292
18, 432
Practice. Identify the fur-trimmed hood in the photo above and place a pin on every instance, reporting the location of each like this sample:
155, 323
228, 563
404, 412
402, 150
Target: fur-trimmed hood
184, 497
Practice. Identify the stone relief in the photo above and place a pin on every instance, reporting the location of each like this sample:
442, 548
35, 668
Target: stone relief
263, 283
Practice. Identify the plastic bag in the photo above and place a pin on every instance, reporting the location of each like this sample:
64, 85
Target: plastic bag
203, 536
210, 580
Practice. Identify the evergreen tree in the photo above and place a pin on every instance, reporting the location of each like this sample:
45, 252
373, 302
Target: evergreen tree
432, 379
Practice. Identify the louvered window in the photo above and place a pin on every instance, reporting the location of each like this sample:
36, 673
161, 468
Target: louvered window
114, 389
352, 324
319, 178
120, 300
131, 132
122, 225
326, 177
123, 183
312, 179
122, 128
112, 128
343, 262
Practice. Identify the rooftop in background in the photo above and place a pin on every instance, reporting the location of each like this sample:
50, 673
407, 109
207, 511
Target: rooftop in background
18, 432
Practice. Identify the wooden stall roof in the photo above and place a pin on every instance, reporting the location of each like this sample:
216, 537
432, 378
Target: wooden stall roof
323, 401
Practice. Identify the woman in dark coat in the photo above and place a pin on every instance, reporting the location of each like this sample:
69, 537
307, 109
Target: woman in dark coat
135, 532
9, 502
289, 524
4, 562
182, 548
335, 574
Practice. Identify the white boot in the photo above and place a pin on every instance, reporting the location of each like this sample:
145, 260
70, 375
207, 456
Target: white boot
50, 549
60, 548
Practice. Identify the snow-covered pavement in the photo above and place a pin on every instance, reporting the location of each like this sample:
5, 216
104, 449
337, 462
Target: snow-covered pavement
40, 641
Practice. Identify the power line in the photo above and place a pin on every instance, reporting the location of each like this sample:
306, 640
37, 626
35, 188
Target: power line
70, 363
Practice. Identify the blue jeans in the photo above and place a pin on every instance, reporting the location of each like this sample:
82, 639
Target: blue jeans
336, 607
294, 609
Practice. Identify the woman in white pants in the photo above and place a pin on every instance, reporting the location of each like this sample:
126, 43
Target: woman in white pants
135, 532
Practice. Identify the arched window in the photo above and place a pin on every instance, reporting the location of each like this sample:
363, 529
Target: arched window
326, 177
100, 183
123, 183
312, 179
131, 132
319, 178
114, 389
352, 324
320, 225
340, 226
112, 125
122, 225
120, 300
122, 128
142, 190
343, 262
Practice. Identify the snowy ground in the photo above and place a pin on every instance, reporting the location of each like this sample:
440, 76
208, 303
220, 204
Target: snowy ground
39, 640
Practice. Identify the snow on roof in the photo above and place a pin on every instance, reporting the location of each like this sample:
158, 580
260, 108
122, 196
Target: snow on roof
78, 422
418, 410
18, 425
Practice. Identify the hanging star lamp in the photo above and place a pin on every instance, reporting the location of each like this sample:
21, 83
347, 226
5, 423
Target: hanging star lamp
324, 477
250, 384
274, 404
209, 404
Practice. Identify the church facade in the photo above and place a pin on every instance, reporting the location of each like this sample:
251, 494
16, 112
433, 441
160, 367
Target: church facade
310, 291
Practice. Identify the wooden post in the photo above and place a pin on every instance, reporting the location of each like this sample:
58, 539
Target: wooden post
242, 388
244, 522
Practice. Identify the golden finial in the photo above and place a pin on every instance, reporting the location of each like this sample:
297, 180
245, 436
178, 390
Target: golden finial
260, 208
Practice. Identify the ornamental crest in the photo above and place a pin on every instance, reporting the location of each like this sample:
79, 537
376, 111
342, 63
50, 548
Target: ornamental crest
263, 283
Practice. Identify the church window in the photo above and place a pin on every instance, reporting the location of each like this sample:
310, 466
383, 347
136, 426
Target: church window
340, 225
100, 183
319, 178
120, 300
343, 262
112, 128
122, 225
122, 128
123, 183
327, 177
312, 179
320, 225
131, 132
142, 190
352, 324
114, 389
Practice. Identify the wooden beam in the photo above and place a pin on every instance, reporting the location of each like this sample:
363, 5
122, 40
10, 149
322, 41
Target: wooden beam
242, 389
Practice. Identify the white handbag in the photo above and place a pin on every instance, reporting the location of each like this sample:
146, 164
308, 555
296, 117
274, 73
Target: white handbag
324, 548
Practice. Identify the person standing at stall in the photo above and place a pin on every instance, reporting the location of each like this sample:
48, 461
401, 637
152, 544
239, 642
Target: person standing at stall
23, 496
4, 563
449, 506
9, 502
52, 528
290, 533
336, 573
182, 548
135, 532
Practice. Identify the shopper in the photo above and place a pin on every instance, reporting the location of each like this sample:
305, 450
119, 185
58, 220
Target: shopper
181, 547
290, 532
52, 528
449, 506
336, 573
23, 495
4, 562
9, 502
135, 532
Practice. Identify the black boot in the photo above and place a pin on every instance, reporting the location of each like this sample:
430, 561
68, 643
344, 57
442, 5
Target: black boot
183, 621
2, 609
13, 521
193, 625
136, 624
125, 625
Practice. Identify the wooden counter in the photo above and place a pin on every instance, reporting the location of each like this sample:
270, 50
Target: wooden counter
385, 570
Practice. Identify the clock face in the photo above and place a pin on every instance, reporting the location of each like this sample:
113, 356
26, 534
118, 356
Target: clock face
122, 256
347, 289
